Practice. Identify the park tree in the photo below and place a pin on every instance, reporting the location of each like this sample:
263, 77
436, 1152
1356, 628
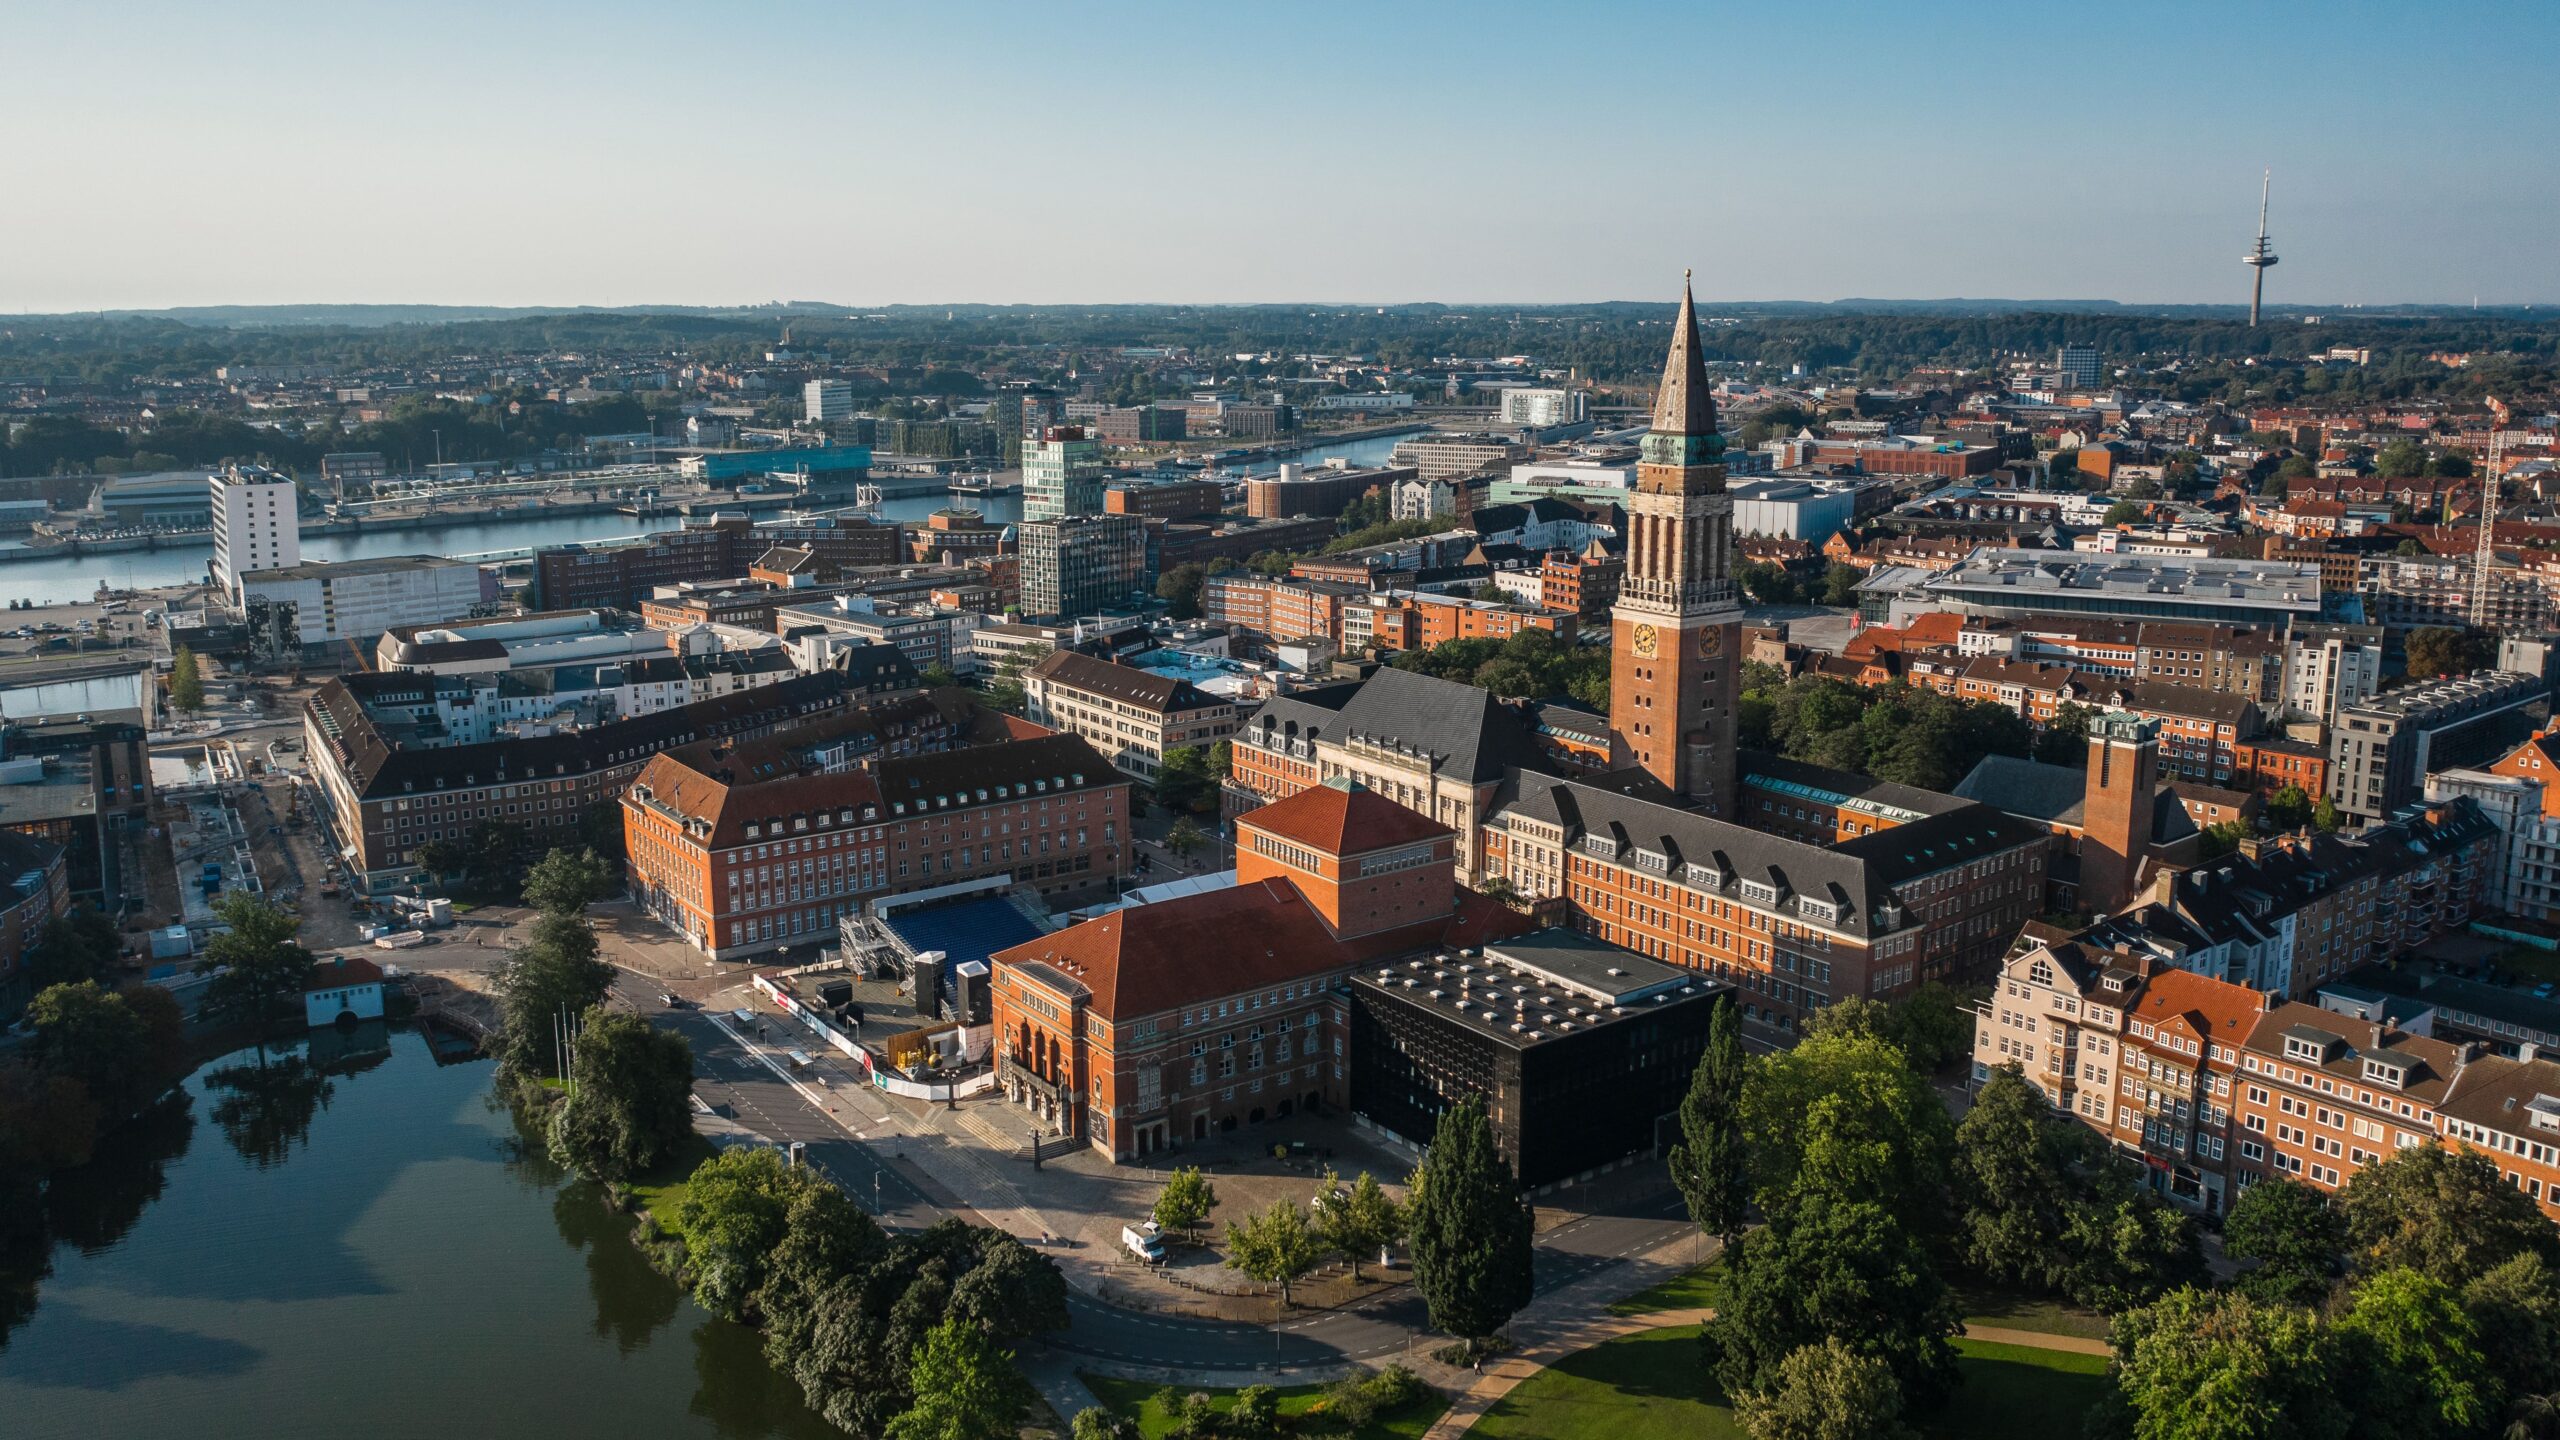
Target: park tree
2123, 512
441, 858
2516, 1310
1275, 1245
255, 962
2440, 650
600, 830
1886, 1121
1933, 1025
1184, 838
2219, 1365
2442, 1212
554, 974
1188, 779
79, 944
2125, 1247
2065, 738
186, 680
493, 849
1008, 1289
90, 1034
964, 1388
1005, 692
826, 1238
1093, 1422
629, 1104
1358, 1219
2400, 460
2411, 1357
1471, 1227
1185, 1202
2289, 808
1840, 584
1707, 1161
568, 881
2014, 1189
733, 1214
1833, 1128
1826, 1391
2297, 1237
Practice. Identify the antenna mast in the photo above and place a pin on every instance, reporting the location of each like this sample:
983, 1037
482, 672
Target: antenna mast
2259, 256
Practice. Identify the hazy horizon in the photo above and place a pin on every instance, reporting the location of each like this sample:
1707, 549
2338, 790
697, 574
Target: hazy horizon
580, 154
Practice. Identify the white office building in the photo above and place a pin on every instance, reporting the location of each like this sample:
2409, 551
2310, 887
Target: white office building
1540, 408
328, 603
2330, 667
1793, 509
256, 525
828, 400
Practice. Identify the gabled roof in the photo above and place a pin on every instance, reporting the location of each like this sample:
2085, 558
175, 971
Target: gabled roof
1148, 959
1163, 694
1857, 875
2216, 1010
1343, 817
1469, 734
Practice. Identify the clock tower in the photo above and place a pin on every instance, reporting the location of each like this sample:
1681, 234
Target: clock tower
1675, 668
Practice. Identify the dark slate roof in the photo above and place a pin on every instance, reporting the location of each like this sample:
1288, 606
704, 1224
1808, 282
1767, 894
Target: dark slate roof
1469, 733
1859, 875
1163, 694
377, 767
1846, 784
2058, 795
2029, 788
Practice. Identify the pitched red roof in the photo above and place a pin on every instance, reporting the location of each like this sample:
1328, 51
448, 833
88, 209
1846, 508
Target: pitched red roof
1153, 958
2216, 1010
337, 972
1343, 817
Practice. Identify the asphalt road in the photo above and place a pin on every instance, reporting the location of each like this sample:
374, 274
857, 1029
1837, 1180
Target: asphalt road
867, 1164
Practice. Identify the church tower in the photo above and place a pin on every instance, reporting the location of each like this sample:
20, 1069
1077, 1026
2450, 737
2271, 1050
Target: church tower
1676, 666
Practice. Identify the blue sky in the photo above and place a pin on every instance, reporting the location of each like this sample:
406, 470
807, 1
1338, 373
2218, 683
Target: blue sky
625, 153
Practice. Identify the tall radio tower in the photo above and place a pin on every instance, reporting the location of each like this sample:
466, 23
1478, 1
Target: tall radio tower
2259, 256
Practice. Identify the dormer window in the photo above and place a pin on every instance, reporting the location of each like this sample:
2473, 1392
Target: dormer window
2389, 1071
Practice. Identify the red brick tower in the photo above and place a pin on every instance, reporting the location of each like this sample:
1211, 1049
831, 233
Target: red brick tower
1677, 664
2115, 813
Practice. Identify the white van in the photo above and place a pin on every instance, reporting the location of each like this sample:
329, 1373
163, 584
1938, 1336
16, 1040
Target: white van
1143, 1242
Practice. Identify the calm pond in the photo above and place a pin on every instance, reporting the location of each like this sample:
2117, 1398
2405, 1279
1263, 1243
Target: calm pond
354, 1243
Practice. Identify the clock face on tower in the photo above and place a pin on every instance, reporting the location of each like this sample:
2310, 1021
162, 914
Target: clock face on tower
1647, 643
1711, 641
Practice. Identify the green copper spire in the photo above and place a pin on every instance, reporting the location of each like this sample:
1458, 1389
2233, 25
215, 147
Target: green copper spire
1684, 409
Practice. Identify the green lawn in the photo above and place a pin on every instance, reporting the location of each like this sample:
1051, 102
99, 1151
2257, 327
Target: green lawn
1154, 1406
1651, 1386
1703, 1287
2529, 964
1989, 1305
658, 1191
1696, 1288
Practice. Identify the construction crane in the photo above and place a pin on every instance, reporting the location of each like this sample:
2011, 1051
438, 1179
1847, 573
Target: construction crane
2485, 556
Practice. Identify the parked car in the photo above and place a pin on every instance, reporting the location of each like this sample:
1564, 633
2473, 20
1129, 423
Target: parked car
1144, 1242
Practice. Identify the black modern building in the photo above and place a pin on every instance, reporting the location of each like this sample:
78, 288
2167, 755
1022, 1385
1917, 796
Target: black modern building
1580, 1049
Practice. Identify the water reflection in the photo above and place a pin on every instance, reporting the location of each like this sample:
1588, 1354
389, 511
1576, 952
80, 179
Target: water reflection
743, 1397
90, 1208
265, 1104
633, 1301
366, 1203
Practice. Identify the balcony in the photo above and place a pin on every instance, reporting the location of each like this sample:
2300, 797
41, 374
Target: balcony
1011, 1072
